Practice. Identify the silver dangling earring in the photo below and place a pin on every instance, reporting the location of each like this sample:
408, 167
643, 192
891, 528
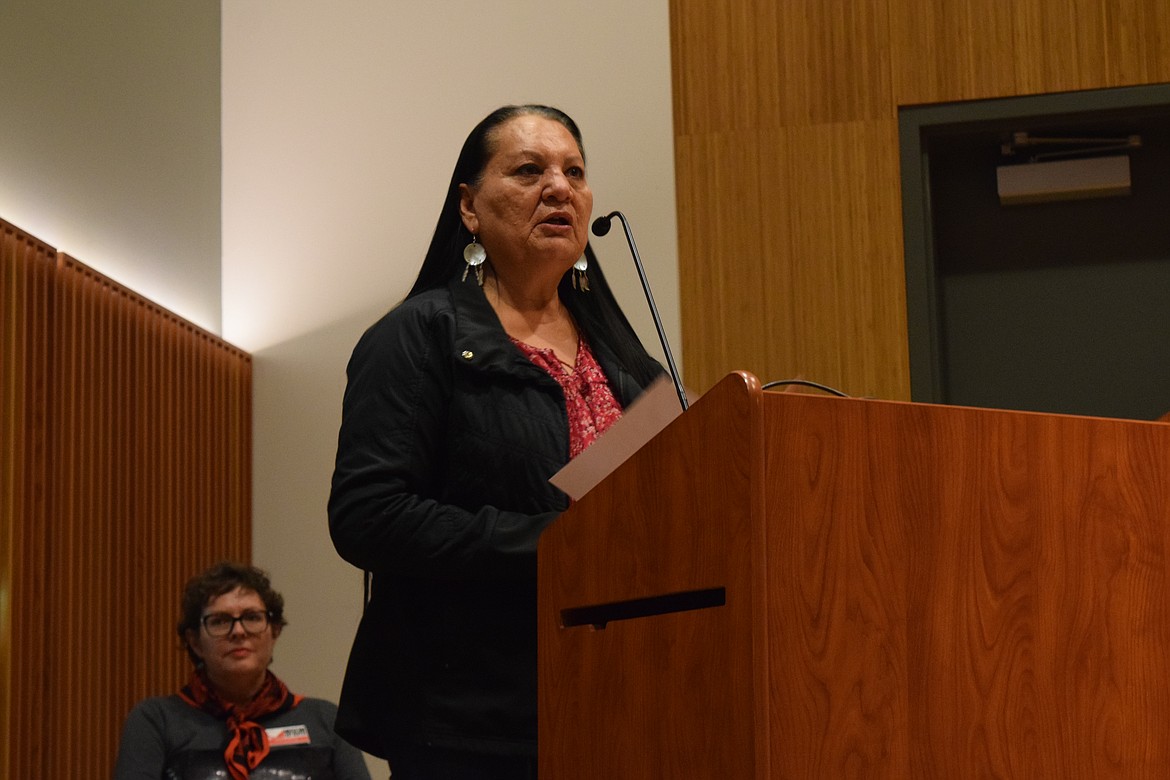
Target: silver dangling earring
580, 278
474, 255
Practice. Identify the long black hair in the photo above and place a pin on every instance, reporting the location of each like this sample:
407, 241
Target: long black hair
596, 311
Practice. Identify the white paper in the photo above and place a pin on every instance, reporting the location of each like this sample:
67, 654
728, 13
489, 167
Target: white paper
645, 417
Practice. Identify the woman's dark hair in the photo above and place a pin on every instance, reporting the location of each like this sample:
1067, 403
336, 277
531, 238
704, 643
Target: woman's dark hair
224, 577
445, 255
596, 311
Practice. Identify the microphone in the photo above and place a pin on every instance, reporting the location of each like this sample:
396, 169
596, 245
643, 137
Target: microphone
601, 227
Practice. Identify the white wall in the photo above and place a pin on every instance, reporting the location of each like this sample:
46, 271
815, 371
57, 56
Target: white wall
341, 124
110, 140
340, 130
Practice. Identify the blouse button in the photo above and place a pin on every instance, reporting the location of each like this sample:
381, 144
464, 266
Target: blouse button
468, 354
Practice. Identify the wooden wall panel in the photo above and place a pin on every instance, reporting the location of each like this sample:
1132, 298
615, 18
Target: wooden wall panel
726, 266
764, 64
144, 430
722, 52
786, 159
963, 49
793, 263
836, 62
848, 288
26, 276
968, 49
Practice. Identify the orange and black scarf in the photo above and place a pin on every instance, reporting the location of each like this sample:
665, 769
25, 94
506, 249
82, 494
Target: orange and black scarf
248, 744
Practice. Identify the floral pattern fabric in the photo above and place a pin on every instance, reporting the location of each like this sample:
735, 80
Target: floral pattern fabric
590, 403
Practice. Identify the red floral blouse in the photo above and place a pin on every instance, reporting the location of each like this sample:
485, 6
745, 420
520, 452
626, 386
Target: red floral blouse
588, 399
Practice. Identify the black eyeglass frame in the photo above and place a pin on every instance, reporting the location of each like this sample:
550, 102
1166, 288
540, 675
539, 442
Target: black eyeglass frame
232, 625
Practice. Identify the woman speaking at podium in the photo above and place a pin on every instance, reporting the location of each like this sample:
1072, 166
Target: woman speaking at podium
507, 358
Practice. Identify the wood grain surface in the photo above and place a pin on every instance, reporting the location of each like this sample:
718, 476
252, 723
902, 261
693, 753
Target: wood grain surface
912, 591
126, 468
786, 159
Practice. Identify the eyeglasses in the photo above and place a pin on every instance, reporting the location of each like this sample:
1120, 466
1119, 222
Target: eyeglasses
220, 624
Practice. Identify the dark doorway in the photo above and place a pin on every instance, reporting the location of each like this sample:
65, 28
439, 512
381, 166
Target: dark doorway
1053, 306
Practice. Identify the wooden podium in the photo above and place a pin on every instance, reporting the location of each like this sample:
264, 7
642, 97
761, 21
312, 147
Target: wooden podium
783, 585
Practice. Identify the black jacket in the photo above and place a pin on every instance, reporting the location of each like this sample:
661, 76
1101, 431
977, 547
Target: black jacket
448, 437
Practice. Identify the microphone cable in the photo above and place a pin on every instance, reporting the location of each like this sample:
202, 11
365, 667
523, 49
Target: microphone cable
805, 383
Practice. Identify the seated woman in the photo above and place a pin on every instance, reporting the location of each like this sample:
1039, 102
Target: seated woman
234, 718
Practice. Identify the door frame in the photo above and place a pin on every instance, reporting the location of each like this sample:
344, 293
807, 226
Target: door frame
917, 125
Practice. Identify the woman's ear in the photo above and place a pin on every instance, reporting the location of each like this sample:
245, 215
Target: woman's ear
467, 209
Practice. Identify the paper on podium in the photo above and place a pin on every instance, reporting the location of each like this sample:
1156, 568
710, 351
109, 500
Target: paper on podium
645, 417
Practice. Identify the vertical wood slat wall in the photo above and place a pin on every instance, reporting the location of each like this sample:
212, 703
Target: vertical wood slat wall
126, 467
786, 158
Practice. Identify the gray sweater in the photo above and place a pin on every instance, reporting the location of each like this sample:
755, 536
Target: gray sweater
166, 739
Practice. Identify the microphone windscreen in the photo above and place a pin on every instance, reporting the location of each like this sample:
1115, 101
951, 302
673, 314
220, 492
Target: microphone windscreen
601, 225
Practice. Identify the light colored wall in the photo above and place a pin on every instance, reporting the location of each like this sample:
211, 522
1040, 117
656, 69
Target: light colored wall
340, 130
110, 140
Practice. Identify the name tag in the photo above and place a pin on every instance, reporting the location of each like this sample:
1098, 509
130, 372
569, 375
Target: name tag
287, 735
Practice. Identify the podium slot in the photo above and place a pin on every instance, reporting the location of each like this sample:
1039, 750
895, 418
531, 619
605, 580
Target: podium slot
599, 615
